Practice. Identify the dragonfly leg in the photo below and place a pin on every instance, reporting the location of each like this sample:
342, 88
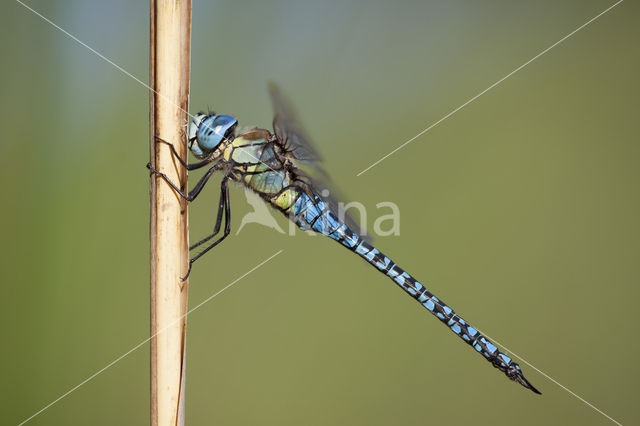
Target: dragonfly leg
183, 162
221, 208
196, 189
227, 231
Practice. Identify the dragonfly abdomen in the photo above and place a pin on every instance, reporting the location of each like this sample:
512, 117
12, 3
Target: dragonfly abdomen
315, 214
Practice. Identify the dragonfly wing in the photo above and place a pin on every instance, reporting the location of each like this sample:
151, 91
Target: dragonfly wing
290, 132
288, 129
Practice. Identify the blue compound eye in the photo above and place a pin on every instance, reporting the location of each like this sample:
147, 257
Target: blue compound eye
213, 130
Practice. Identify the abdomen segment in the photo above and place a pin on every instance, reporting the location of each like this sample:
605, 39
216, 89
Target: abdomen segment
314, 214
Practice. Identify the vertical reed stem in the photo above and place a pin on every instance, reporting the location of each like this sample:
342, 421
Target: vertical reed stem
169, 78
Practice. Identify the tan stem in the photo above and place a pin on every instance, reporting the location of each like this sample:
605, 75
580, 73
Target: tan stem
169, 78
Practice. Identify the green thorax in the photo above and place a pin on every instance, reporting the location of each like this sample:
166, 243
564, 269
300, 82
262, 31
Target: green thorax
257, 159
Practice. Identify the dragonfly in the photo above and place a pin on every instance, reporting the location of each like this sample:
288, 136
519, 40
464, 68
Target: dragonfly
283, 168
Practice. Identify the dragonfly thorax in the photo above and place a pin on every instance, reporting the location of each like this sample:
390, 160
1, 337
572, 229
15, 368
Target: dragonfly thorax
206, 132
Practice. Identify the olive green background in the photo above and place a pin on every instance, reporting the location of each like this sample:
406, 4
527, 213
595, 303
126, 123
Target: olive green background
521, 211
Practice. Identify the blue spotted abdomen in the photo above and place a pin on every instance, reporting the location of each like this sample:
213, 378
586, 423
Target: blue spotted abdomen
315, 214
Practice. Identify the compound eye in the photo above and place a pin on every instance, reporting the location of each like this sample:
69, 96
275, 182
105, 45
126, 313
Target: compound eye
214, 129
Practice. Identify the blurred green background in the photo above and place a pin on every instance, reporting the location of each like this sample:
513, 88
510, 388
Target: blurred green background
521, 211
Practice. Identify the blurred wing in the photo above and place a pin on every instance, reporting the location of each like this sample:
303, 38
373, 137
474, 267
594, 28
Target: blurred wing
288, 129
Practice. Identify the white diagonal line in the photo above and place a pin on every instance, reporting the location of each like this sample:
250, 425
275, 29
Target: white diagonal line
552, 379
127, 73
490, 87
94, 51
91, 377
363, 171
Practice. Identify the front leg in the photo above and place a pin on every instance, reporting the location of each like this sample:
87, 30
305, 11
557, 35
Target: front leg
196, 190
183, 162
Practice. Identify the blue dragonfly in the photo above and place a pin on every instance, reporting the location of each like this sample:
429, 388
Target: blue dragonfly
271, 165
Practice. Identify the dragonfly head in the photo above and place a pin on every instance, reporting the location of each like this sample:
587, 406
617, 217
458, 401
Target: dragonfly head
206, 132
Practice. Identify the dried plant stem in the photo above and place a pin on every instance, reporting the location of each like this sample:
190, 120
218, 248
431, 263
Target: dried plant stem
169, 78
